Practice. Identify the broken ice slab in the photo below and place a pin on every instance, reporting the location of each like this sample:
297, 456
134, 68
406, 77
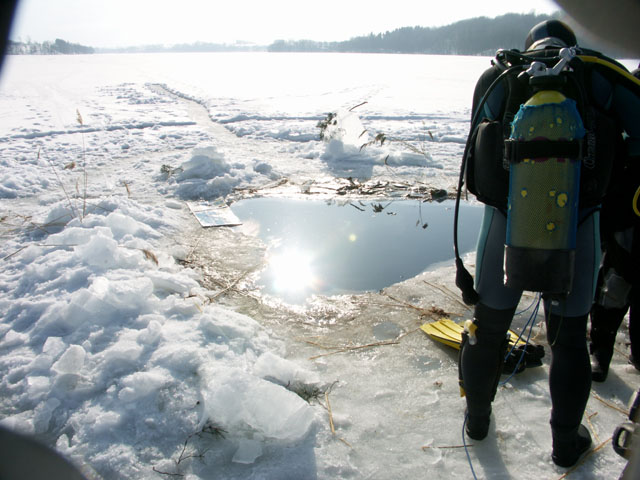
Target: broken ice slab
213, 214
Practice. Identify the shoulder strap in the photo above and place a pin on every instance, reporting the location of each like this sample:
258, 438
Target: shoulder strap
614, 68
517, 96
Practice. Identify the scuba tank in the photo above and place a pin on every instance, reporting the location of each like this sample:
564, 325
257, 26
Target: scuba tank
544, 179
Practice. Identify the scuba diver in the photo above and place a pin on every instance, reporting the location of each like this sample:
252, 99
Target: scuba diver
602, 102
618, 290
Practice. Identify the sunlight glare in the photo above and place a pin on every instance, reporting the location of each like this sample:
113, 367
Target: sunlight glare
292, 271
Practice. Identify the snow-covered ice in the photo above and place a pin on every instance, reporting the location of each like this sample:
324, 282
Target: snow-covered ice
136, 343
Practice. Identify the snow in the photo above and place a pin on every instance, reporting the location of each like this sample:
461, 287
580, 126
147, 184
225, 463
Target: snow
135, 343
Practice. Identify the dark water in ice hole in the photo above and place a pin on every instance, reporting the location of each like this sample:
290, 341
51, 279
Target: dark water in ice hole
328, 247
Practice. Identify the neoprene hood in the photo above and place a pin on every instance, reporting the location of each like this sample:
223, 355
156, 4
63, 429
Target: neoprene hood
550, 33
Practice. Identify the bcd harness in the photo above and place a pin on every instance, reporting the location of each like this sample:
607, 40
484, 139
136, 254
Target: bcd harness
507, 160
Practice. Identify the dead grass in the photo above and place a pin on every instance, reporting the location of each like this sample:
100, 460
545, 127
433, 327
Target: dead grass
209, 433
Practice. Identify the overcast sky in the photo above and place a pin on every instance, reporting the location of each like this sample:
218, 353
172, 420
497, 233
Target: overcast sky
116, 23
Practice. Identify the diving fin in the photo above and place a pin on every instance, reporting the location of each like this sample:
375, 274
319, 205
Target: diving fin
449, 333
445, 331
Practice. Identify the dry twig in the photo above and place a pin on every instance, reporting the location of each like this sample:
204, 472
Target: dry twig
427, 447
432, 311
167, 473
326, 398
591, 427
609, 404
345, 442
319, 345
331, 424
422, 311
448, 293
149, 255
356, 347
231, 286
73, 211
15, 253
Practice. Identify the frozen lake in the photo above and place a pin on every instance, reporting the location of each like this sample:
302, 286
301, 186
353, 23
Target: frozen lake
138, 344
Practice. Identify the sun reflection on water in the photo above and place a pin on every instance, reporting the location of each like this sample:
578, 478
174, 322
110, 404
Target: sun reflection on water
291, 271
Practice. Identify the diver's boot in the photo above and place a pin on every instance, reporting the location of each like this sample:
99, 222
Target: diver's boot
477, 426
570, 446
481, 361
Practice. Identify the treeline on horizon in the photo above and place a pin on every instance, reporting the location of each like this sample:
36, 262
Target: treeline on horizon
58, 47
475, 36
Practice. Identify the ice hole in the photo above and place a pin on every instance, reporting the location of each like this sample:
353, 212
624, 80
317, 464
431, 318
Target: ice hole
337, 247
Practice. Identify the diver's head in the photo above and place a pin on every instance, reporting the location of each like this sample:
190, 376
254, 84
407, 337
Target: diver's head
550, 33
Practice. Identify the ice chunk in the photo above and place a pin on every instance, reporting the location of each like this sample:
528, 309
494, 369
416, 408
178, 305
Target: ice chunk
347, 128
172, 283
59, 215
13, 338
121, 354
205, 163
106, 421
123, 292
83, 304
238, 400
71, 361
62, 444
19, 423
51, 350
217, 322
37, 386
247, 451
53, 346
43, 414
141, 384
263, 168
151, 334
122, 225
285, 372
101, 250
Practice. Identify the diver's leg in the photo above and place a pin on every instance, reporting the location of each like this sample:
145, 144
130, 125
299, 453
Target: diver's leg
570, 369
569, 385
481, 361
608, 311
482, 353
604, 327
